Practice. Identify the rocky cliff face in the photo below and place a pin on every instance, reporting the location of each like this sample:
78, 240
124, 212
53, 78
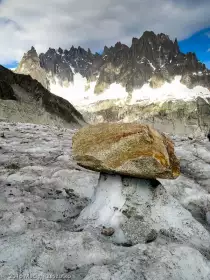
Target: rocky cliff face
63, 64
177, 117
30, 65
24, 99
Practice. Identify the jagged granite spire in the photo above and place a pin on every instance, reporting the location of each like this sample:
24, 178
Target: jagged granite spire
176, 46
30, 65
32, 51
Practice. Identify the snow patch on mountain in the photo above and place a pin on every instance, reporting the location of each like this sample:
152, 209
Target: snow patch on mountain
168, 91
81, 93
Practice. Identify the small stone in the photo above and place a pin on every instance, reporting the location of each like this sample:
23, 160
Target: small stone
152, 236
107, 231
125, 244
58, 191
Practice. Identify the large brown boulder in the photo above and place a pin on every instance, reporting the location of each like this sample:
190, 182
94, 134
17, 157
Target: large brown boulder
125, 148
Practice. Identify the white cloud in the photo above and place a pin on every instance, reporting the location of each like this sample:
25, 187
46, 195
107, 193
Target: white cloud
92, 23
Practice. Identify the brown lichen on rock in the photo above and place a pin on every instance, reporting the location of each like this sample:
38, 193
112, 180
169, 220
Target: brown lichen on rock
131, 149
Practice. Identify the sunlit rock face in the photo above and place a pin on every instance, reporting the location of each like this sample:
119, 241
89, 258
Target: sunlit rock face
43, 192
151, 81
30, 65
128, 149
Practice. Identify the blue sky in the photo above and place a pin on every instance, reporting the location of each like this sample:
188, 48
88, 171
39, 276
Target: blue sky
11, 65
198, 43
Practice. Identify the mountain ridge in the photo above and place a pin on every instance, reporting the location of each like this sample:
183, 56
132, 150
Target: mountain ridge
151, 57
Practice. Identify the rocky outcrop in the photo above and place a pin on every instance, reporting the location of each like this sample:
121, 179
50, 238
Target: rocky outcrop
177, 117
129, 149
26, 100
63, 64
30, 65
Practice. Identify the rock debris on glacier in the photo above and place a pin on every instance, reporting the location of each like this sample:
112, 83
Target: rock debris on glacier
43, 191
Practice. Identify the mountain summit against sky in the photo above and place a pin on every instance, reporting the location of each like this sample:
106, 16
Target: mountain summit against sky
151, 58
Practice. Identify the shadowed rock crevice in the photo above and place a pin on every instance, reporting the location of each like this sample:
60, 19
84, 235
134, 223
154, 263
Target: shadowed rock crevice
6, 91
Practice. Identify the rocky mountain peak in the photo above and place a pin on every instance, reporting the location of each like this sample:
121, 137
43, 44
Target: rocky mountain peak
176, 46
163, 36
51, 52
148, 35
60, 51
118, 45
32, 52
30, 65
106, 49
134, 41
